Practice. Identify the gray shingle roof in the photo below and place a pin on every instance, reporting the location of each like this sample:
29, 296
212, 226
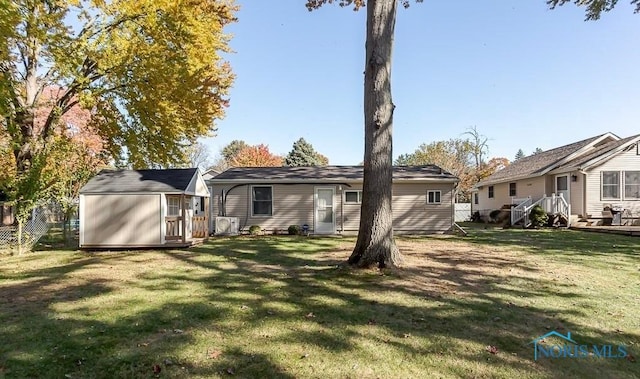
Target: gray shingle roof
536, 164
329, 173
600, 150
114, 181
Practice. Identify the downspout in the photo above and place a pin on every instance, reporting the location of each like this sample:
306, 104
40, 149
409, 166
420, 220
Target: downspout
341, 210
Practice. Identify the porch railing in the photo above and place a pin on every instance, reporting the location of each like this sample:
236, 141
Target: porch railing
199, 227
173, 228
519, 212
553, 204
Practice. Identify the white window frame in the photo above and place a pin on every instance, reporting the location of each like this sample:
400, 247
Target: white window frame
438, 197
358, 196
619, 184
171, 206
515, 189
252, 194
624, 187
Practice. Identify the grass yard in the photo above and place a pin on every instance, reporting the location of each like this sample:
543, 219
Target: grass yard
283, 307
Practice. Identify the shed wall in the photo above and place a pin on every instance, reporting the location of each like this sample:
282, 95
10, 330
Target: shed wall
120, 220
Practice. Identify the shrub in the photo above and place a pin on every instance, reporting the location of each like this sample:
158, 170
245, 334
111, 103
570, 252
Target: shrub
255, 230
494, 214
293, 230
475, 217
538, 216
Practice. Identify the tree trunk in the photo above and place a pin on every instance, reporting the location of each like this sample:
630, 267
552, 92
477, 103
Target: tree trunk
375, 245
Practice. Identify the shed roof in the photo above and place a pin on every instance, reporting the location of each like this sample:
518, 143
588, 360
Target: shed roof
120, 181
328, 173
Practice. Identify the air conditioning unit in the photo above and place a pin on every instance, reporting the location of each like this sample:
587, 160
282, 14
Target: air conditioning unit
227, 225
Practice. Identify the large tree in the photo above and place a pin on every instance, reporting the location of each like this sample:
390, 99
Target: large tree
375, 244
149, 71
594, 8
303, 154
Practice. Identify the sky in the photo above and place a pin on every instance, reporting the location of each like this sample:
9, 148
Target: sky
523, 75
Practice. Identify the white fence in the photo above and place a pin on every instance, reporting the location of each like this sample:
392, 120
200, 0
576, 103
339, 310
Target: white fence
462, 212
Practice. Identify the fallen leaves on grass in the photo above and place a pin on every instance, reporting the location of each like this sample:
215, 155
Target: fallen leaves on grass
310, 315
630, 358
492, 349
371, 322
214, 354
157, 369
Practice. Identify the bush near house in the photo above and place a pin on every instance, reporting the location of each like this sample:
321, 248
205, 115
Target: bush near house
294, 230
255, 230
538, 217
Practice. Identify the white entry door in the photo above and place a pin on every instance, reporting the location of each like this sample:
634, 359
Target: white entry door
325, 221
562, 186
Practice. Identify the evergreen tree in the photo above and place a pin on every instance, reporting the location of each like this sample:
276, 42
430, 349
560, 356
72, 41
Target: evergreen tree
303, 154
519, 155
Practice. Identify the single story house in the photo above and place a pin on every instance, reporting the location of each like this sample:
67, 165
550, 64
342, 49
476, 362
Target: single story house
576, 181
144, 208
327, 199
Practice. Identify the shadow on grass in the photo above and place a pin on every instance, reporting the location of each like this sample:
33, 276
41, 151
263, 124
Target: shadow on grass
426, 310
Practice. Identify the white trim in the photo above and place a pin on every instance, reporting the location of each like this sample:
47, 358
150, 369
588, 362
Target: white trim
315, 210
358, 195
623, 188
568, 190
620, 189
434, 202
81, 215
251, 201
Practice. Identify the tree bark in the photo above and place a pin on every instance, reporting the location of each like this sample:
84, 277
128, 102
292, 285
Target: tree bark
375, 244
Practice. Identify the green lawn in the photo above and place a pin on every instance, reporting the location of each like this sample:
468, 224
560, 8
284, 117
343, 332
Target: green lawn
284, 307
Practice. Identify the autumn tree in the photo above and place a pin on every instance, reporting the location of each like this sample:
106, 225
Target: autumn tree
149, 71
256, 156
454, 155
303, 154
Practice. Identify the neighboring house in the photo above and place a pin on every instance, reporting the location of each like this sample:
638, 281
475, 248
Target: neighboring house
327, 199
144, 208
209, 174
575, 181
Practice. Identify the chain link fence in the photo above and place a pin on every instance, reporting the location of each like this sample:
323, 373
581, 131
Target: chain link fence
33, 230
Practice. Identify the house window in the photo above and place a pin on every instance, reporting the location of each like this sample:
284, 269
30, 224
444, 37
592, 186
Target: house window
512, 189
173, 206
433, 197
353, 197
610, 184
490, 192
632, 185
262, 199
475, 198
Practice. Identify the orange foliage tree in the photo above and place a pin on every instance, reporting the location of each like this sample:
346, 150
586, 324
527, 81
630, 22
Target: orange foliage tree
256, 156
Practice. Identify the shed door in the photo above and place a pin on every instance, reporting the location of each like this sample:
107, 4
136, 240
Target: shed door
325, 221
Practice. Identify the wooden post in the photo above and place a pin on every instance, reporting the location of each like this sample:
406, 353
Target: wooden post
207, 211
184, 218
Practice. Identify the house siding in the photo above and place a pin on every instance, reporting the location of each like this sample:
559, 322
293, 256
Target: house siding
411, 213
534, 187
120, 220
294, 204
625, 161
